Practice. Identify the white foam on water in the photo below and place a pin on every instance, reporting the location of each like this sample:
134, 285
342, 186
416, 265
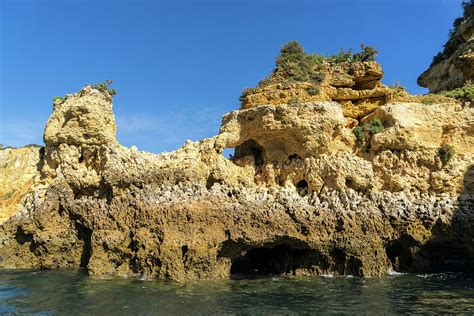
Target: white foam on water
395, 273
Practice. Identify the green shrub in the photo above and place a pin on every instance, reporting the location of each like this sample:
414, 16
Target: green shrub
367, 53
359, 135
445, 153
313, 90
342, 56
292, 48
59, 99
454, 41
104, 87
364, 133
375, 126
294, 65
397, 89
465, 93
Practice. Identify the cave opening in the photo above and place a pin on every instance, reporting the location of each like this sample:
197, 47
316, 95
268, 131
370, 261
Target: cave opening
277, 260
400, 253
282, 257
442, 256
302, 187
228, 153
293, 157
287, 257
253, 149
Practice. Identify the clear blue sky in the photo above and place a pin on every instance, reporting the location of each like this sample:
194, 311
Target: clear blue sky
179, 65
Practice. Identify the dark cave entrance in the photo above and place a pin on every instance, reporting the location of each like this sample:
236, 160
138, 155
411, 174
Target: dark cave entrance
278, 258
253, 149
302, 187
400, 253
407, 255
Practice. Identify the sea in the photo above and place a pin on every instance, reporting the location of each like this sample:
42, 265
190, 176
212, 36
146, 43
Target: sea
72, 292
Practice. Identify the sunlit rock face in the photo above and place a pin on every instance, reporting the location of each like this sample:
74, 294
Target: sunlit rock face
355, 85
454, 66
83, 118
19, 170
299, 196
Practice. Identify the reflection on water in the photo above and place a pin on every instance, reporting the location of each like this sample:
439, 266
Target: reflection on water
73, 293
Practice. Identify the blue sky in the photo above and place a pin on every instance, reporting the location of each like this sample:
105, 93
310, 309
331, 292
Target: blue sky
179, 65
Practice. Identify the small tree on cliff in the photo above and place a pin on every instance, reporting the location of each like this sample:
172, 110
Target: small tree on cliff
367, 53
454, 41
104, 87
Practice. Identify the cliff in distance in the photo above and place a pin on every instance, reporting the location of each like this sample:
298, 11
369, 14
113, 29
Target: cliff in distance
454, 66
333, 173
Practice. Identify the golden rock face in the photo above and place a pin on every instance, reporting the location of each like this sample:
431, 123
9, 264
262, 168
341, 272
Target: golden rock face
19, 171
356, 85
297, 190
82, 118
457, 68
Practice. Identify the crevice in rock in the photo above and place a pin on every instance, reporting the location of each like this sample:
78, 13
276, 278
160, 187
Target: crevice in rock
85, 235
83, 232
106, 191
184, 250
103, 191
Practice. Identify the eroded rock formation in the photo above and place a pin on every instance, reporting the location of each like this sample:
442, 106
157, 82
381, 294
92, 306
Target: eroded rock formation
454, 66
299, 196
355, 86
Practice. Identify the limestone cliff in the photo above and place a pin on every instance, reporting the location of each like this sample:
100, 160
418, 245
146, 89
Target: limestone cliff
18, 172
304, 193
352, 80
454, 66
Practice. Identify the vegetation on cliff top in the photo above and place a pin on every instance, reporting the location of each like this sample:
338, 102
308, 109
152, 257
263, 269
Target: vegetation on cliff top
294, 65
104, 87
454, 40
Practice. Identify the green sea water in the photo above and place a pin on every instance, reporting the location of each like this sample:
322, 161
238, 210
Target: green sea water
73, 293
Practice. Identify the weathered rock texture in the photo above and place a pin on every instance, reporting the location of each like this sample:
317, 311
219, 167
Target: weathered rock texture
19, 170
298, 197
83, 118
355, 85
454, 67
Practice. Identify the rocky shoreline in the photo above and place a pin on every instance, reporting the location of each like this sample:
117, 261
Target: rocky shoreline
194, 214
338, 174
